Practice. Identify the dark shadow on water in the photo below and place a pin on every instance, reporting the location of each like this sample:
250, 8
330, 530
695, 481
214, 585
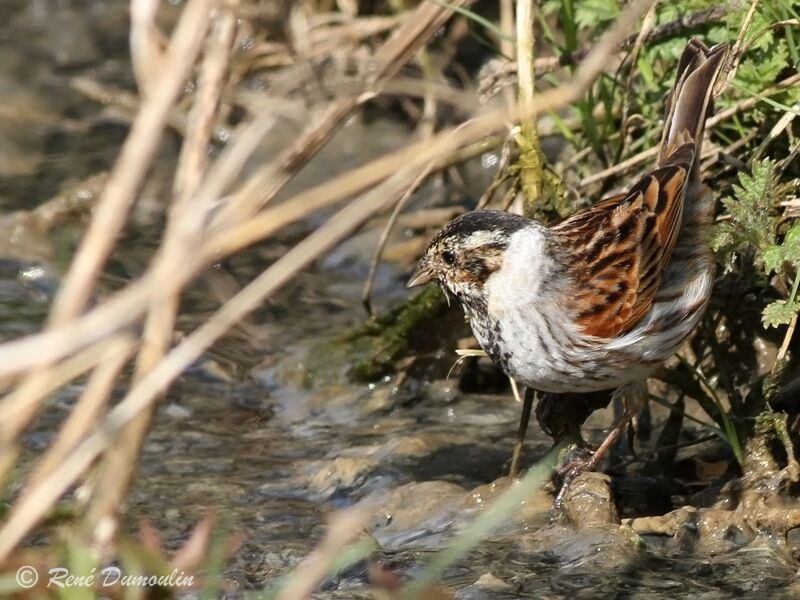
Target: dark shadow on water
469, 464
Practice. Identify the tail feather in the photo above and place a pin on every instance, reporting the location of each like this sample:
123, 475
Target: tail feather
689, 104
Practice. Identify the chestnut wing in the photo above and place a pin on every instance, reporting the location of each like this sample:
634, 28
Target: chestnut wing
617, 250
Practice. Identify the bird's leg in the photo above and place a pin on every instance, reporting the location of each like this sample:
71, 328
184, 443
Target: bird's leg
561, 415
634, 396
527, 405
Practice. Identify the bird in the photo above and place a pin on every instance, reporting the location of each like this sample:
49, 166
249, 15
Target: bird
599, 300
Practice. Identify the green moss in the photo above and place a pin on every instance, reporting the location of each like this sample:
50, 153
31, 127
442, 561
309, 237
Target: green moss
370, 351
388, 338
545, 198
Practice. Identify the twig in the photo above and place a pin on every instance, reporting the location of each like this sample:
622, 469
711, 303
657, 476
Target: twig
525, 88
736, 52
647, 28
507, 40
366, 294
397, 50
741, 106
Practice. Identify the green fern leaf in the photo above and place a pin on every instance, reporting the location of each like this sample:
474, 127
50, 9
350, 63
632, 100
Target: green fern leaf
754, 218
779, 313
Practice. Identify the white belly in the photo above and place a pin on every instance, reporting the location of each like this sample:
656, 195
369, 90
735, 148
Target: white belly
535, 341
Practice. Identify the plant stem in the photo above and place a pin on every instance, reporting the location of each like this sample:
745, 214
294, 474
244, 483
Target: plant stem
525, 58
790, 330
727, 424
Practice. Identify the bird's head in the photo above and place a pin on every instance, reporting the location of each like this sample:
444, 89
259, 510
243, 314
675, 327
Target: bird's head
466, 252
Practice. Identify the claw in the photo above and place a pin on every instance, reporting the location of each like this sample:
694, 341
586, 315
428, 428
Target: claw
579, 460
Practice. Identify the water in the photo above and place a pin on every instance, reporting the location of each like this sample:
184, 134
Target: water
243, 434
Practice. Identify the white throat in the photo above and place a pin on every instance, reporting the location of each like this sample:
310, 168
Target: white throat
526, 265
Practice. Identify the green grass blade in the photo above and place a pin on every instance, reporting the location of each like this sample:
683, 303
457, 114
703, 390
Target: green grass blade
482, 527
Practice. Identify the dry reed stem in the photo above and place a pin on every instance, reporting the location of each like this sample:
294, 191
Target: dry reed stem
507, 27
89, 408
41, 497
111, 213
193, 159
525, 74
137, 152
147, 55
366, 294
426, 19
507, 41
116, 469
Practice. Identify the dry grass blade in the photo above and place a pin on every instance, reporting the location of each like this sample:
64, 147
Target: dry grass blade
111, 213
137, 152
366, 294
89, 408
397, 50
116, 469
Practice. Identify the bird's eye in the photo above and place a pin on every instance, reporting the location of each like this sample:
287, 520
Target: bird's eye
448, 257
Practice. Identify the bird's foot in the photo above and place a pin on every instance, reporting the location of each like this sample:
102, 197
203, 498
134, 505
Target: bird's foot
579, 459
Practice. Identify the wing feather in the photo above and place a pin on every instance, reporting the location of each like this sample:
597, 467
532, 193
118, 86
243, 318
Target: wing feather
621, 247
617, 250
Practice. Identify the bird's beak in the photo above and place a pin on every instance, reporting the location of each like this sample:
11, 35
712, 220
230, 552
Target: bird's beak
421, 275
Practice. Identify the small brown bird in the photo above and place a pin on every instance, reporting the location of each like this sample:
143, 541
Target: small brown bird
601, 299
